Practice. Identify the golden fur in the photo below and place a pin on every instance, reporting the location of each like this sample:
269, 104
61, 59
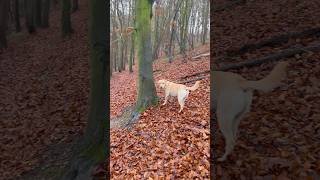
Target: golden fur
179, 90
232, 99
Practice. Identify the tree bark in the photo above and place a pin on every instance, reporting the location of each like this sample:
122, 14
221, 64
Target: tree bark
94, 146
66, 18
147, 92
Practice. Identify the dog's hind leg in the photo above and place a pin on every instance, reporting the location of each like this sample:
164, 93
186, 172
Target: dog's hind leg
226, 129
225, 120
181, 99
247, 103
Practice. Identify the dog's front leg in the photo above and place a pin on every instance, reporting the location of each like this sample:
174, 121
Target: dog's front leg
166, 98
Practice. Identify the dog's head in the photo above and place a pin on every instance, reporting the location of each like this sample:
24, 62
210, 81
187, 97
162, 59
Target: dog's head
162, 83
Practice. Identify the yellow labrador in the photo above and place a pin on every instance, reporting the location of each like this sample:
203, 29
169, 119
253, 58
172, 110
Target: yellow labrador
232, 99
179, 90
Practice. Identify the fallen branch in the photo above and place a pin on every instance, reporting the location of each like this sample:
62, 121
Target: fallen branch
196, 74
273, 57
254, 62
274, 41
192, 80
201, 55
229, 5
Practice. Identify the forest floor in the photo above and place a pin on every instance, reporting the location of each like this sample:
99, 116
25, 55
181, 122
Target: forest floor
44, 87
163, 143
280, 137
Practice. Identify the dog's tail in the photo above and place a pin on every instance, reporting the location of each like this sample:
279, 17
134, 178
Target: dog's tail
273, 80
194, 87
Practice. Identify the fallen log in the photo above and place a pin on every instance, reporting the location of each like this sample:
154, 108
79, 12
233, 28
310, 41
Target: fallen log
201, 55
276, 40
258, 61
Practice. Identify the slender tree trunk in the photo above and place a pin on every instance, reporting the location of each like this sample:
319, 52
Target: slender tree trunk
75, 5
170, 46
119, 53
147, 92
45, 13
38, 12
111, 61
205, 21
156, 37
30, 14
131, 59
122, 54
17, 15
93, 148
4, 15
66, 18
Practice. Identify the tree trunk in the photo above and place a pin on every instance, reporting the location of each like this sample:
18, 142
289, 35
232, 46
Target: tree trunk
94, 146
75, 5
45, 13
38, 12
66, 18
30, 11
147, 92
205, 21
4, 14
131, 59
17, 15
170, 49
156, 37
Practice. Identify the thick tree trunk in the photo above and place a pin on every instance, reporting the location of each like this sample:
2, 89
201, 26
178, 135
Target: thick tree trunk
4, 14
75, 5
94, 144
66, 18
17, 15
30, 14
45, 13
147, 92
